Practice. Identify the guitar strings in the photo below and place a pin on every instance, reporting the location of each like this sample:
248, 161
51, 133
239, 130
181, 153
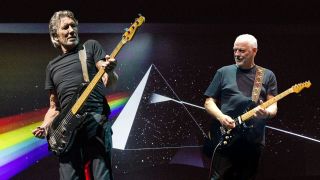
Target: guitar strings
270, 127
57, 132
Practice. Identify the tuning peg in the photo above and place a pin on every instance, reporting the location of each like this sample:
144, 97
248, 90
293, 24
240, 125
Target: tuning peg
126, 29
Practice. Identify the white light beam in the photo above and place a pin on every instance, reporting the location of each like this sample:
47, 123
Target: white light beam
160, 98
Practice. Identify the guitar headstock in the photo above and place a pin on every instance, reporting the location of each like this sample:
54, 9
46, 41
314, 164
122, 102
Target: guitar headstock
128, 35
298, 87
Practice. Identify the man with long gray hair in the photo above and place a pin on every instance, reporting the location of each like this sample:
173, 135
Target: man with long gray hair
91, 148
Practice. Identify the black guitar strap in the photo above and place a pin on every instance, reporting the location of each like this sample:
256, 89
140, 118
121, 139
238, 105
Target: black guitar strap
257, 84
83, 60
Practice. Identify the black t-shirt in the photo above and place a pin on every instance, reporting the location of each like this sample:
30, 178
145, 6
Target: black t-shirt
232, 87
64, 75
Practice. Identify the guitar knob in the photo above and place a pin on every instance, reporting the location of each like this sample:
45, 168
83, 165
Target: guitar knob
63, 131
225, 142
227, 137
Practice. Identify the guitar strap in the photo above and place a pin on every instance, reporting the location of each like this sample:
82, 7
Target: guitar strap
257, 84
83, 60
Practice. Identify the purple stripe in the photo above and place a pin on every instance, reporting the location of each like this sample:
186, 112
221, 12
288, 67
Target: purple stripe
14, 167
115, 112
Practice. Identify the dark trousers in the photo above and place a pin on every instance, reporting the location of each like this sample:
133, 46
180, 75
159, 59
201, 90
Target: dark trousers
92, 148
237, 162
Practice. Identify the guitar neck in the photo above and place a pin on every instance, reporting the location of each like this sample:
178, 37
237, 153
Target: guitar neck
117, 49
84, 96
246, 116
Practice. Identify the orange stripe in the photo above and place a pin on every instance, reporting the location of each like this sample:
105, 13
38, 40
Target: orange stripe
116, 96
17, 121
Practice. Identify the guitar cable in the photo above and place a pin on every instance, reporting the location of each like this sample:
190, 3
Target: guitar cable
211, 163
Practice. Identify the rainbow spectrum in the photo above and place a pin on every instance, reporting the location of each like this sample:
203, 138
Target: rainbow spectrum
19, 149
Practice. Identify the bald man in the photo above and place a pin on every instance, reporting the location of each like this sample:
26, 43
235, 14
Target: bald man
228, 96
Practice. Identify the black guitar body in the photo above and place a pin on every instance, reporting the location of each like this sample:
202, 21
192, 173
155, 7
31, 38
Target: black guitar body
219, 135
229, 136
65, 126
223, 137
213, 139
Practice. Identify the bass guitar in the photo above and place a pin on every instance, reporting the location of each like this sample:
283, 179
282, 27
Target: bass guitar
64, 127
227, 136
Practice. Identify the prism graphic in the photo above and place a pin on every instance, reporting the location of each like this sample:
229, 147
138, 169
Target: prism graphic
152, 118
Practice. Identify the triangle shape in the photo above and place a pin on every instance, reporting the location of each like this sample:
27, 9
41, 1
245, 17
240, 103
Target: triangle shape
165, 124
160, 127
122, 126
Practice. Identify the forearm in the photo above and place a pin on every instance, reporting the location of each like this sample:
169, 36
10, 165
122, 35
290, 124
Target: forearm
110, 79
272, 110
49, 117
52, 111
212, 108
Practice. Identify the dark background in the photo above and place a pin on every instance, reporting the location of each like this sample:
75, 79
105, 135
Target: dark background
189, 42
166, 11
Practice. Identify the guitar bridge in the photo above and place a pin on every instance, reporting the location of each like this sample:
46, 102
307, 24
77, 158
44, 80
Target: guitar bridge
238, 120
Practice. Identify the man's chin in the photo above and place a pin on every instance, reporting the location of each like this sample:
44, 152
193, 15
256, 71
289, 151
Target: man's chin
73, 43
239, 63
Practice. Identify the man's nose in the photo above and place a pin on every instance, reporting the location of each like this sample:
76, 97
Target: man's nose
71, 29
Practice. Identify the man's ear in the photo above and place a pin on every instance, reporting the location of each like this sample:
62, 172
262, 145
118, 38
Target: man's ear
255, 50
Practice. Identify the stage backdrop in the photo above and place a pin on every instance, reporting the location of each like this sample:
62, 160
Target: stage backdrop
157, 105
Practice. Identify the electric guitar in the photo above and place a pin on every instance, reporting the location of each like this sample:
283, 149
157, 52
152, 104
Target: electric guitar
227, 136
62, 131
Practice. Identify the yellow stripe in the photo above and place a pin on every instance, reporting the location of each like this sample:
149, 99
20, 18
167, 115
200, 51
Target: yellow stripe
14, 137
117, 102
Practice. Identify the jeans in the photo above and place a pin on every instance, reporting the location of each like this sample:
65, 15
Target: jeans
91, 148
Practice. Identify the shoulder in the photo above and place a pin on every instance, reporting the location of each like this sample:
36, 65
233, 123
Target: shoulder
269, 77
53, 61
269, 73
227, 68
91, 43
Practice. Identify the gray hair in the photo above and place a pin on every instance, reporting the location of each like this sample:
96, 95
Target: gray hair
248, 38
55, 22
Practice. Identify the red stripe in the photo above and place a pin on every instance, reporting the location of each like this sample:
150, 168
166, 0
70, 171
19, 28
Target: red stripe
116, 96
16, 121
87, 171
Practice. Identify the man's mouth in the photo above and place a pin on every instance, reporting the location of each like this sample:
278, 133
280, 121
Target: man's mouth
72, 38
238, 59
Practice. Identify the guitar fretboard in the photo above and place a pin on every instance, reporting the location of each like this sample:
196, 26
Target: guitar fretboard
246, 116
84, 96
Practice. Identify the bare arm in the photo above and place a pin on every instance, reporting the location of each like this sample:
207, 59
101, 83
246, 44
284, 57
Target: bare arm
41, 131
269, 112
110, 78
212, 108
